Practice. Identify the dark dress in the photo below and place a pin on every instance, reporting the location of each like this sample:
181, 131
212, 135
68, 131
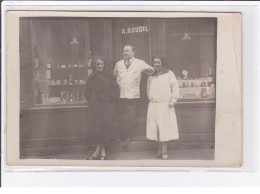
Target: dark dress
102, 92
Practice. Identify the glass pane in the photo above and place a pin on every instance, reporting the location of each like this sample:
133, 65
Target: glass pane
191, 54
60, 61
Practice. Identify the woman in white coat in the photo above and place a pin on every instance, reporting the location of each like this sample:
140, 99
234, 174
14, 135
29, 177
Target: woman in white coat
162, 91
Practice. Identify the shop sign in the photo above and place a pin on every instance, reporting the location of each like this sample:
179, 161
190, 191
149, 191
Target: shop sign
133, 30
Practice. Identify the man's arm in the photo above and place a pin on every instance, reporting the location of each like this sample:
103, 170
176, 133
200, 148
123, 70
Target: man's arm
147, 69
174, 89
145, 66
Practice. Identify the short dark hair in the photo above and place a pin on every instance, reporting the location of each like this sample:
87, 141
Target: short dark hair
98, 57
132, 46
162, 58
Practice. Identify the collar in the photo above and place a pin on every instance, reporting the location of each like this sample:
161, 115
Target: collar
131, 60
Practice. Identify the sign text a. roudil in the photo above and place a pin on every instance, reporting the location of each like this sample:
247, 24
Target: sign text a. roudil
137, 29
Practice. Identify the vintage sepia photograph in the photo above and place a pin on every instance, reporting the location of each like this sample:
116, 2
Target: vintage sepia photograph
117, 88
144, 90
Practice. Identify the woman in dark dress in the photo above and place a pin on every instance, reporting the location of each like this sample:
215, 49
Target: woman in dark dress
101, 91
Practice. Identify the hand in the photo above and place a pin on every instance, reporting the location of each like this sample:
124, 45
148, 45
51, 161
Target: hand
171, 104
150, 71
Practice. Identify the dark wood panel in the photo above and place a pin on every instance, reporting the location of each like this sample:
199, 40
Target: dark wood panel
63, 124
50, 131
191, 118
49, 123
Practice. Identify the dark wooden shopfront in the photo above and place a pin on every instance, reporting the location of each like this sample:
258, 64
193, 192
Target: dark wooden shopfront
57, 128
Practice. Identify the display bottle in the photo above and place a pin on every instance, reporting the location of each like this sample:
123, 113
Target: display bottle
80, 64
70, 80
72, 96
48, 70
67, 97
77, 96
36, 62
89, 64
210, 78
65, 82
53, 65
203, 90
82, 92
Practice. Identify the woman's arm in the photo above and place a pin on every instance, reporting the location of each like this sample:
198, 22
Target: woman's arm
174, 89
148, 86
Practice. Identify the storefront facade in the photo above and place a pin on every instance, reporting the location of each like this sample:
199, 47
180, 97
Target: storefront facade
56, 56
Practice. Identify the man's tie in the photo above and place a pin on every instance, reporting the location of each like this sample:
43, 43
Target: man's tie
127, 63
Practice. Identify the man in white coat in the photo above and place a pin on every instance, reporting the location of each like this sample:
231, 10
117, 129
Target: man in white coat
128, 73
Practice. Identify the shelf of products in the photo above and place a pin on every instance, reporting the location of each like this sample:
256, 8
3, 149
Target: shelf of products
202, 88
64, 84
60, 84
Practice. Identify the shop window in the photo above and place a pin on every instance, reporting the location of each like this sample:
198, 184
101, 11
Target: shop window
61, 60
190, 49
57, 54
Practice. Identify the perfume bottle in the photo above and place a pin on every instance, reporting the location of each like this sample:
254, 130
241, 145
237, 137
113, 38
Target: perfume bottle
210, 78
70, 80
72, 96
77, 95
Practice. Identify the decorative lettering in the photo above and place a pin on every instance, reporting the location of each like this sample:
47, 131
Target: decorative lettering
137, 29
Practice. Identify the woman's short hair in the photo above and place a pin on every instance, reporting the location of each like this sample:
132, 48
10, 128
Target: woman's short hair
162, 58
98, 57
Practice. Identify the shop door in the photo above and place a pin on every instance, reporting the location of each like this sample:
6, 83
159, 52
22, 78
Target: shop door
139, 33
